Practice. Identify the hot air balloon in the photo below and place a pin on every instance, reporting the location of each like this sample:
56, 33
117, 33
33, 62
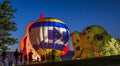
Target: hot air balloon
46, 34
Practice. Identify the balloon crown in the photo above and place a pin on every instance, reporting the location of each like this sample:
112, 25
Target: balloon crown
41, 16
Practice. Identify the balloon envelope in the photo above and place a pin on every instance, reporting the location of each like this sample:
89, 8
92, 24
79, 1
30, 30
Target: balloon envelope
47, 34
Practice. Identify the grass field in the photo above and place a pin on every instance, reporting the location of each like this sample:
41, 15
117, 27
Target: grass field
103, 61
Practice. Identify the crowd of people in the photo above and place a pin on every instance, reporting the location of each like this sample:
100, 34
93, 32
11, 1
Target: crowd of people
18, 56
21, 58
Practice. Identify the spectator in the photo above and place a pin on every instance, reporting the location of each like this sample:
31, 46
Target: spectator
10, 62
3, 55
30, 56
53, 54
42, 58
37, 59
7, 61
16, 55
21, 56
25, 58
48, 57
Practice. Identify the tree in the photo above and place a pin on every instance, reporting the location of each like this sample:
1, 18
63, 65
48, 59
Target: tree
7, 25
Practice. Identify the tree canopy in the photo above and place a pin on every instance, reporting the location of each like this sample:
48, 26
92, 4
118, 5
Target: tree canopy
7, 25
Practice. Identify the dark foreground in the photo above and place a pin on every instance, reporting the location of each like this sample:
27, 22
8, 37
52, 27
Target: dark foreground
103, 61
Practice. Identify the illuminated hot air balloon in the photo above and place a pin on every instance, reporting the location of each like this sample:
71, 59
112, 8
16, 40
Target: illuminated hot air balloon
46, 34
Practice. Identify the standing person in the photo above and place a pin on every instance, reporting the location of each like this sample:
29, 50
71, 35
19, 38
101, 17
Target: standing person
30, 56
37, 59
7, 61
21, 56
53, 54
10, 63
3, 55
42, 58
16, 55
48, 57
25, 58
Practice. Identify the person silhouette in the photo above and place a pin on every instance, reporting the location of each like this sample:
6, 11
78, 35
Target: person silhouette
7, 61
30, 56
4, 54
25, 58
16, 55
37, 59
53, 54
21, 56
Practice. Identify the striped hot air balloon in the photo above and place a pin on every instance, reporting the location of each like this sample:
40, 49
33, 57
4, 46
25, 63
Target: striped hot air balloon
46, 34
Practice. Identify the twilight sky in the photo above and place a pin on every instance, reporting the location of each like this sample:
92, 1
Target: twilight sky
77, 14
